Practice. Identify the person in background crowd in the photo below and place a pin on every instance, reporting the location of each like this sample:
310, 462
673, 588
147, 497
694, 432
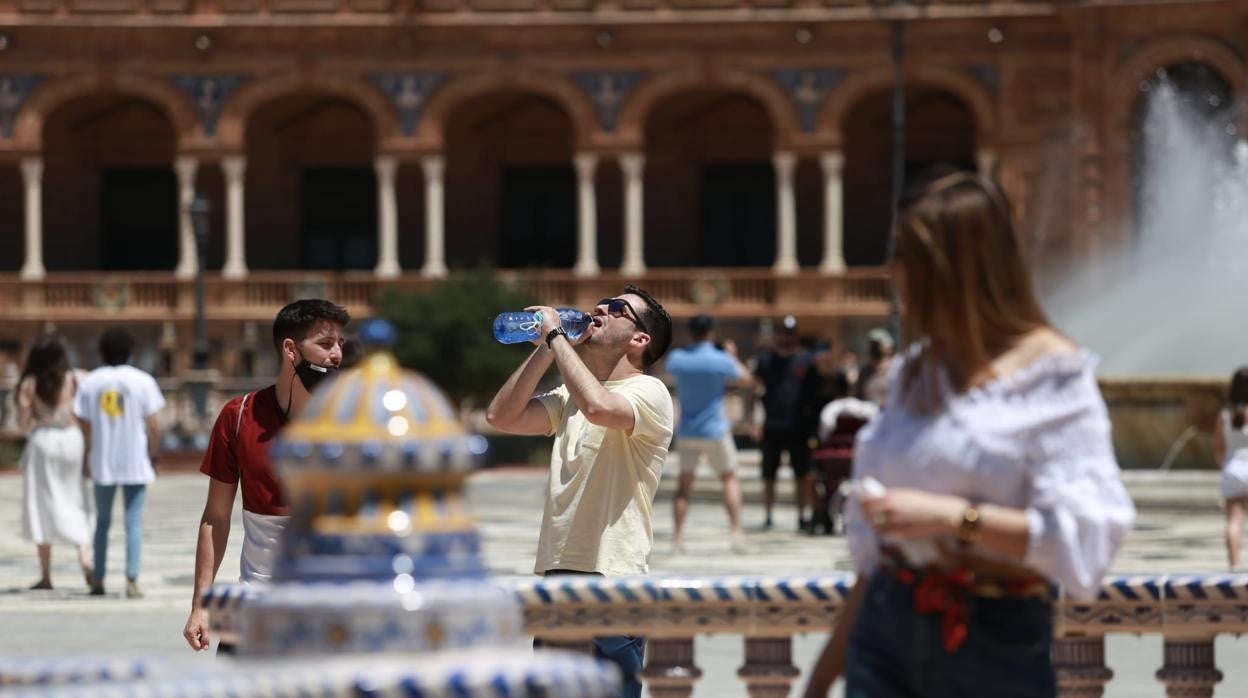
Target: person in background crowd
988, 477
703, 374
1230, 449
849, 368
352, 352
308, 339
873, 377
116, 406
55, 508
790, 383
612, 425
9, 378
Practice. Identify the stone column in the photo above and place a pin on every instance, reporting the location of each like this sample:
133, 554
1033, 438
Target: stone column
786, 214
234, 166
833, 196
633, 165
768, 671
435, 256
387, 218
986, 162
188, 254
1189, 671
587, 215
670, 670
1079, 663
32, 176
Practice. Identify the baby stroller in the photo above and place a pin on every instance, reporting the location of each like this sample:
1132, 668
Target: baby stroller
833, 460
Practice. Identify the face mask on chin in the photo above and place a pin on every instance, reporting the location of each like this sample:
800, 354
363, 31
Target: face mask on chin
311, 374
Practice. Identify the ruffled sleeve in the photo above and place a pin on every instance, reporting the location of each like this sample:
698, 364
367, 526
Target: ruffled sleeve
1078, 510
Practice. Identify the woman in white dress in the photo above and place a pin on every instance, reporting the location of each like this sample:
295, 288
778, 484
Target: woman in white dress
54, 505
987, 481
1230, 448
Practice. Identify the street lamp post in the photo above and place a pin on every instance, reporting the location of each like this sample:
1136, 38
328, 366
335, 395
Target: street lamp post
898, 159
199, 379
898, 162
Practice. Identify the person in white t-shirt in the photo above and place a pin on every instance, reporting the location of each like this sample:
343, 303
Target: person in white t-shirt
612, 425
116, 406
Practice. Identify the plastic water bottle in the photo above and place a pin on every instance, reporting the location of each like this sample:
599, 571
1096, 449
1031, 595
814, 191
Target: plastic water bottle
523, 326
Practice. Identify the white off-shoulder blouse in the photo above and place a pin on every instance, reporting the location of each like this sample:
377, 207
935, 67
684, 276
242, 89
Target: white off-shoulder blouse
1037, 440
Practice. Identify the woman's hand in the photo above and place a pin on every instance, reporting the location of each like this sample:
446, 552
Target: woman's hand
908, 513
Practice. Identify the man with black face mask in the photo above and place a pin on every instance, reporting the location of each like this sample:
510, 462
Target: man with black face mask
308, 336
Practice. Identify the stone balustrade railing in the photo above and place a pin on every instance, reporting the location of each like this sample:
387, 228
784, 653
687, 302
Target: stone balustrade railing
1188, 611
157, 296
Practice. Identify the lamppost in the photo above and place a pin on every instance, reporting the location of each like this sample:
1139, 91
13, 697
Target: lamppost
200, 379
898, 160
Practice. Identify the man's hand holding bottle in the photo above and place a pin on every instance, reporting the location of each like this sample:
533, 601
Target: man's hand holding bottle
551, 320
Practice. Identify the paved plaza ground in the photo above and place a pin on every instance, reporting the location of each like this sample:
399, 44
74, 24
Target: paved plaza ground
1179, 530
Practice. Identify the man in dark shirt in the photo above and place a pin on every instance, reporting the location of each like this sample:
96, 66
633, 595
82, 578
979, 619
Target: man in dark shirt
790, 386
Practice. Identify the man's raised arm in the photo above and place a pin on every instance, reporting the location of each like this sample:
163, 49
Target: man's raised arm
513, 409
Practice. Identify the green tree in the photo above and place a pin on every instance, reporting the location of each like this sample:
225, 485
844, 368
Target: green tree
447, 333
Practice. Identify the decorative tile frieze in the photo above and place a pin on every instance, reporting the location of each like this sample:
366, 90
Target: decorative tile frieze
608, 90
208, 93
808, 88
408, 93
988, 76
14, 89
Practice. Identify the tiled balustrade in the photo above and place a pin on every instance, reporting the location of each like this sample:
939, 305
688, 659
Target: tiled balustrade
154, 296
1188, 611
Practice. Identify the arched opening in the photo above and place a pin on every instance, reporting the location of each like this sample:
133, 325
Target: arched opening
12, 217
709, 181
510, 183
940, 130
1183, 131
110, 194
311, 186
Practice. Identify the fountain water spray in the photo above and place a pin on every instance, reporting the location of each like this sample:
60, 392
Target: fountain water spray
1168, 300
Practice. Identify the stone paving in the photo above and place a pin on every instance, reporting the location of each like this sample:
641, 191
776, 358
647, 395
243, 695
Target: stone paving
1179, 530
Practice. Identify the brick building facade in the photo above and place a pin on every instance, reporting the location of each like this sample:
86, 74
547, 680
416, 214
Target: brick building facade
733, 153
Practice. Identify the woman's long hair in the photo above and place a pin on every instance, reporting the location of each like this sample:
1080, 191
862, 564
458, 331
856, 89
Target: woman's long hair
1237, 398
965, 284
48, 363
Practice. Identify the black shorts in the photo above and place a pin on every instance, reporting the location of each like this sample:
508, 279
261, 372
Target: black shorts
796, 443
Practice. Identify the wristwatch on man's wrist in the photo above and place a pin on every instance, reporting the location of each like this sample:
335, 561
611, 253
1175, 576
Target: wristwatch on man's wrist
557, 332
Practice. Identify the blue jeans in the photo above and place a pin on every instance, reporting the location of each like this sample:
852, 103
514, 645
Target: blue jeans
896, 653
133, 496
625, 651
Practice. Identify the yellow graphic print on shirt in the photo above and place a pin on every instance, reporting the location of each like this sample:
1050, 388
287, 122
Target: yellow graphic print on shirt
112, 403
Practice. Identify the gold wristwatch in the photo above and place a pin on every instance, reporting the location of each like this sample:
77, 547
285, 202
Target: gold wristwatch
968, 529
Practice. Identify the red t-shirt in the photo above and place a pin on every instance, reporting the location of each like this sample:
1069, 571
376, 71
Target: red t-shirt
239, 451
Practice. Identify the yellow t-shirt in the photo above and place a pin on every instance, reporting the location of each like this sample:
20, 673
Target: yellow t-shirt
603, 481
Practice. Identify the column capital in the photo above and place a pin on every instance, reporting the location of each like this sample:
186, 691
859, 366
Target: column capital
185, 166
632, 163
585, 164
32, 169
234, 166
832, 162
784, 162
386, 165
433, 166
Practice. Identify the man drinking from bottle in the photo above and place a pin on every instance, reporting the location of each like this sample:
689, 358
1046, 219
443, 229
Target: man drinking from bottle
612, 425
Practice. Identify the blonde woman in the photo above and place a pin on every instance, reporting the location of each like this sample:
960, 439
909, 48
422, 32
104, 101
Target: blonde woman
987, 479
1230, 448
55, 508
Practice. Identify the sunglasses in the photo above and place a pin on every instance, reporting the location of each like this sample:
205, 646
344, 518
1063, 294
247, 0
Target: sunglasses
616, 307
